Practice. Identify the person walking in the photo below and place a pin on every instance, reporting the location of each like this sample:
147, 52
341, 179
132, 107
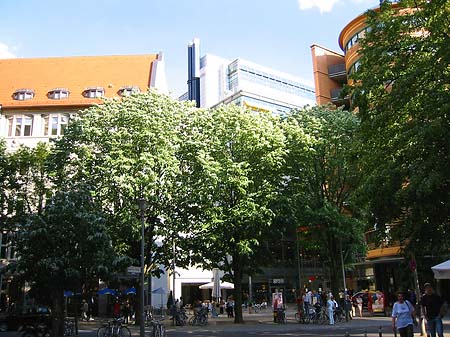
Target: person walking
433, 306
307, 300
359, 304
85, 309
331, 306
403, 316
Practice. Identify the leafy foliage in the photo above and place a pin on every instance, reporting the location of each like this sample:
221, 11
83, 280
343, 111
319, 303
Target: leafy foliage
402, 96
238, 167
322, 177
63, 247
125, 150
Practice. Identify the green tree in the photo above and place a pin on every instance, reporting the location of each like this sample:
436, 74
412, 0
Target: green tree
401, 93
322, 177
23, 183
63, 246
239, 156
125, 150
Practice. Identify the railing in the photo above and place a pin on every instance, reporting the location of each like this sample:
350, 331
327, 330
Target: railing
337, 70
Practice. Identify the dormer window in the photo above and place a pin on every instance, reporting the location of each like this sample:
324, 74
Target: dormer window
128, 90
23, 94
94, 92
58, 93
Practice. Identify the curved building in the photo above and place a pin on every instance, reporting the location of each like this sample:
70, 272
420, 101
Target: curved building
331, 69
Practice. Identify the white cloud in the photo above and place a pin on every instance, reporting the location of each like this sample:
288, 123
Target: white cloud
322, 5
5, 52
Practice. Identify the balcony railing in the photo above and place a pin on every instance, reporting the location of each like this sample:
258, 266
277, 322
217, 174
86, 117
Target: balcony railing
337, 72
383, 248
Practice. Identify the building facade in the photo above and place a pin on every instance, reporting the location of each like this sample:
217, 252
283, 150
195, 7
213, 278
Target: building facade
39, 95
244, 83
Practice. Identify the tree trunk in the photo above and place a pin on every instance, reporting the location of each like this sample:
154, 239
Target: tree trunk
335, 268
237, 273
57, 312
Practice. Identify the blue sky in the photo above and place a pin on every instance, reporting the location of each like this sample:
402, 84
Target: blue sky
276, 34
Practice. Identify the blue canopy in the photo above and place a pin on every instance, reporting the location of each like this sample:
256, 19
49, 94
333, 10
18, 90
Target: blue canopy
68, 293
129, 291
107, 291
159, 290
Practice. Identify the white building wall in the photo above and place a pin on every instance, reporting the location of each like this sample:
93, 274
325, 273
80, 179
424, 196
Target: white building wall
212, 80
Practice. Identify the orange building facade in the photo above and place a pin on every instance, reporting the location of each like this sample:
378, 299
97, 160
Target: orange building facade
39, 95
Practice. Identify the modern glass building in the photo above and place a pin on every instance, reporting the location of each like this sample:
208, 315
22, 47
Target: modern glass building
247, 84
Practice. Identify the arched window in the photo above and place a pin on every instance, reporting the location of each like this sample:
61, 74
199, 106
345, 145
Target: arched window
23, 94
94, 92
58, 93
128, 90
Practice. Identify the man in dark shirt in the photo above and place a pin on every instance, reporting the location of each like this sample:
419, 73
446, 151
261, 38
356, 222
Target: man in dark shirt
433, 306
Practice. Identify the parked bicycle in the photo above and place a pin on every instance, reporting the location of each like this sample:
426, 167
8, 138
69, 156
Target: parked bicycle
69, 327
158, 329
199, 318
114, 328
281, 316
180, 317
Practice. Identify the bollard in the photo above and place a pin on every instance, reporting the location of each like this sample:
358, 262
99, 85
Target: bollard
380, 334
365, 333
347, 334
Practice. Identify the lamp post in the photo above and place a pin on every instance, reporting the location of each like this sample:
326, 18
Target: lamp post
142, 208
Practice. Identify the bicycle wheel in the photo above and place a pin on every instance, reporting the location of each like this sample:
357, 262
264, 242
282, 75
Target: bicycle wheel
162, 331
124, 332
103, 332
193, 320
203, 320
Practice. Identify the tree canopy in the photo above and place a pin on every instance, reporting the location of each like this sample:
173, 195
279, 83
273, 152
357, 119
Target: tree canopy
322, 176
402, 96
240, 159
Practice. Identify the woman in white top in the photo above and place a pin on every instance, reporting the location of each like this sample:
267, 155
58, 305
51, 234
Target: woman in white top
331, 306
402, 316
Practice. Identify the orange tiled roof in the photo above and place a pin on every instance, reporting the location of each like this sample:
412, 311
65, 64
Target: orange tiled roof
74, 73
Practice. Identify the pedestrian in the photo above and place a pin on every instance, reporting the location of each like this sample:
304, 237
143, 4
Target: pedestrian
222, 306
403, 316
348, 307
308, 300
85, 310
331, 306
433, 306
359, 304
116, 309
229, 307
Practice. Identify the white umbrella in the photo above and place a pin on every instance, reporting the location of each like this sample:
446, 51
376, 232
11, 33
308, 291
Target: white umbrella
442, 271
223, 285
160, 291
216, 284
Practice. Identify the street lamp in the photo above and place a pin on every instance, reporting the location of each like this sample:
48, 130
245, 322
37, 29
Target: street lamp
142, 208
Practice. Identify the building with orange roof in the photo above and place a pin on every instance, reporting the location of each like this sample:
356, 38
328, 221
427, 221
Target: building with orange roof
38, 95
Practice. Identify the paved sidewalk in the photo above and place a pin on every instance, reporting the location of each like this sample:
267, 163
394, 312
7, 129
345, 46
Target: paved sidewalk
262, 324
